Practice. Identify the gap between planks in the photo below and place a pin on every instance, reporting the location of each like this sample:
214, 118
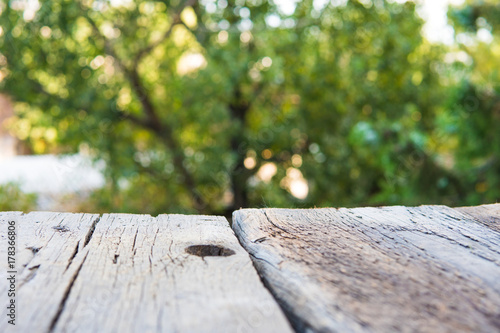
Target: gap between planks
102, 256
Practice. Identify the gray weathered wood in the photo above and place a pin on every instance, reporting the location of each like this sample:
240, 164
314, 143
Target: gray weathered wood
489, 215
421, 269
136, 273
46, 264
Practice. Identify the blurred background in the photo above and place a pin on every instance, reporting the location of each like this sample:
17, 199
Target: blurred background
206, 106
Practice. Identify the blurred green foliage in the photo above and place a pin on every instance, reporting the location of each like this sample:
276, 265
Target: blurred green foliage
13, 199
473, 117
214, 105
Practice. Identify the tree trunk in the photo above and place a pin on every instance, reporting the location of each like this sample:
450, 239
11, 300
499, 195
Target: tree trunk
239, 175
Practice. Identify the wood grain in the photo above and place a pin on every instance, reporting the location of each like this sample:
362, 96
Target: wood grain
421, 269
145, 274
51, 248
489, 215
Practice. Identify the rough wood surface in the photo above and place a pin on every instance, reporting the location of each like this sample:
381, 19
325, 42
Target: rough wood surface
489, 215
136, 273
390, 269
46, 264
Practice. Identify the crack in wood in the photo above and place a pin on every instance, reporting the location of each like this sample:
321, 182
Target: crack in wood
135, 238
91, 231
277, 226
75, 252
253, 256
32, 272
34, 249
260, 240
66, 295
354, 269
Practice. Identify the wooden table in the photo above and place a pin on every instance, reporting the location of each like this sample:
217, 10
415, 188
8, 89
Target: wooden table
389, 269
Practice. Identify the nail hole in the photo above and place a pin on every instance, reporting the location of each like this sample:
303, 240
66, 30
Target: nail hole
209, 251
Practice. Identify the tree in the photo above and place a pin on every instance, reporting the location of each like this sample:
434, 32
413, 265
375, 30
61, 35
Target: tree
12, 198
473, 116
211, 106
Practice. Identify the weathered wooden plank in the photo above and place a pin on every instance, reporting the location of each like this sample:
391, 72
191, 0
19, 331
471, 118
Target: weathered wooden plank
50, 250
489, 215
173, 273
421, 269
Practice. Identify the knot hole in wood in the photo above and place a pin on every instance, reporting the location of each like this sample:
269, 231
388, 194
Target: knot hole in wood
209, 251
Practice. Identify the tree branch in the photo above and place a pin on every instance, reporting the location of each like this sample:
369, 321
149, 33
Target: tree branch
108, 48
145, 51
153, 121
133, 119
176, 19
